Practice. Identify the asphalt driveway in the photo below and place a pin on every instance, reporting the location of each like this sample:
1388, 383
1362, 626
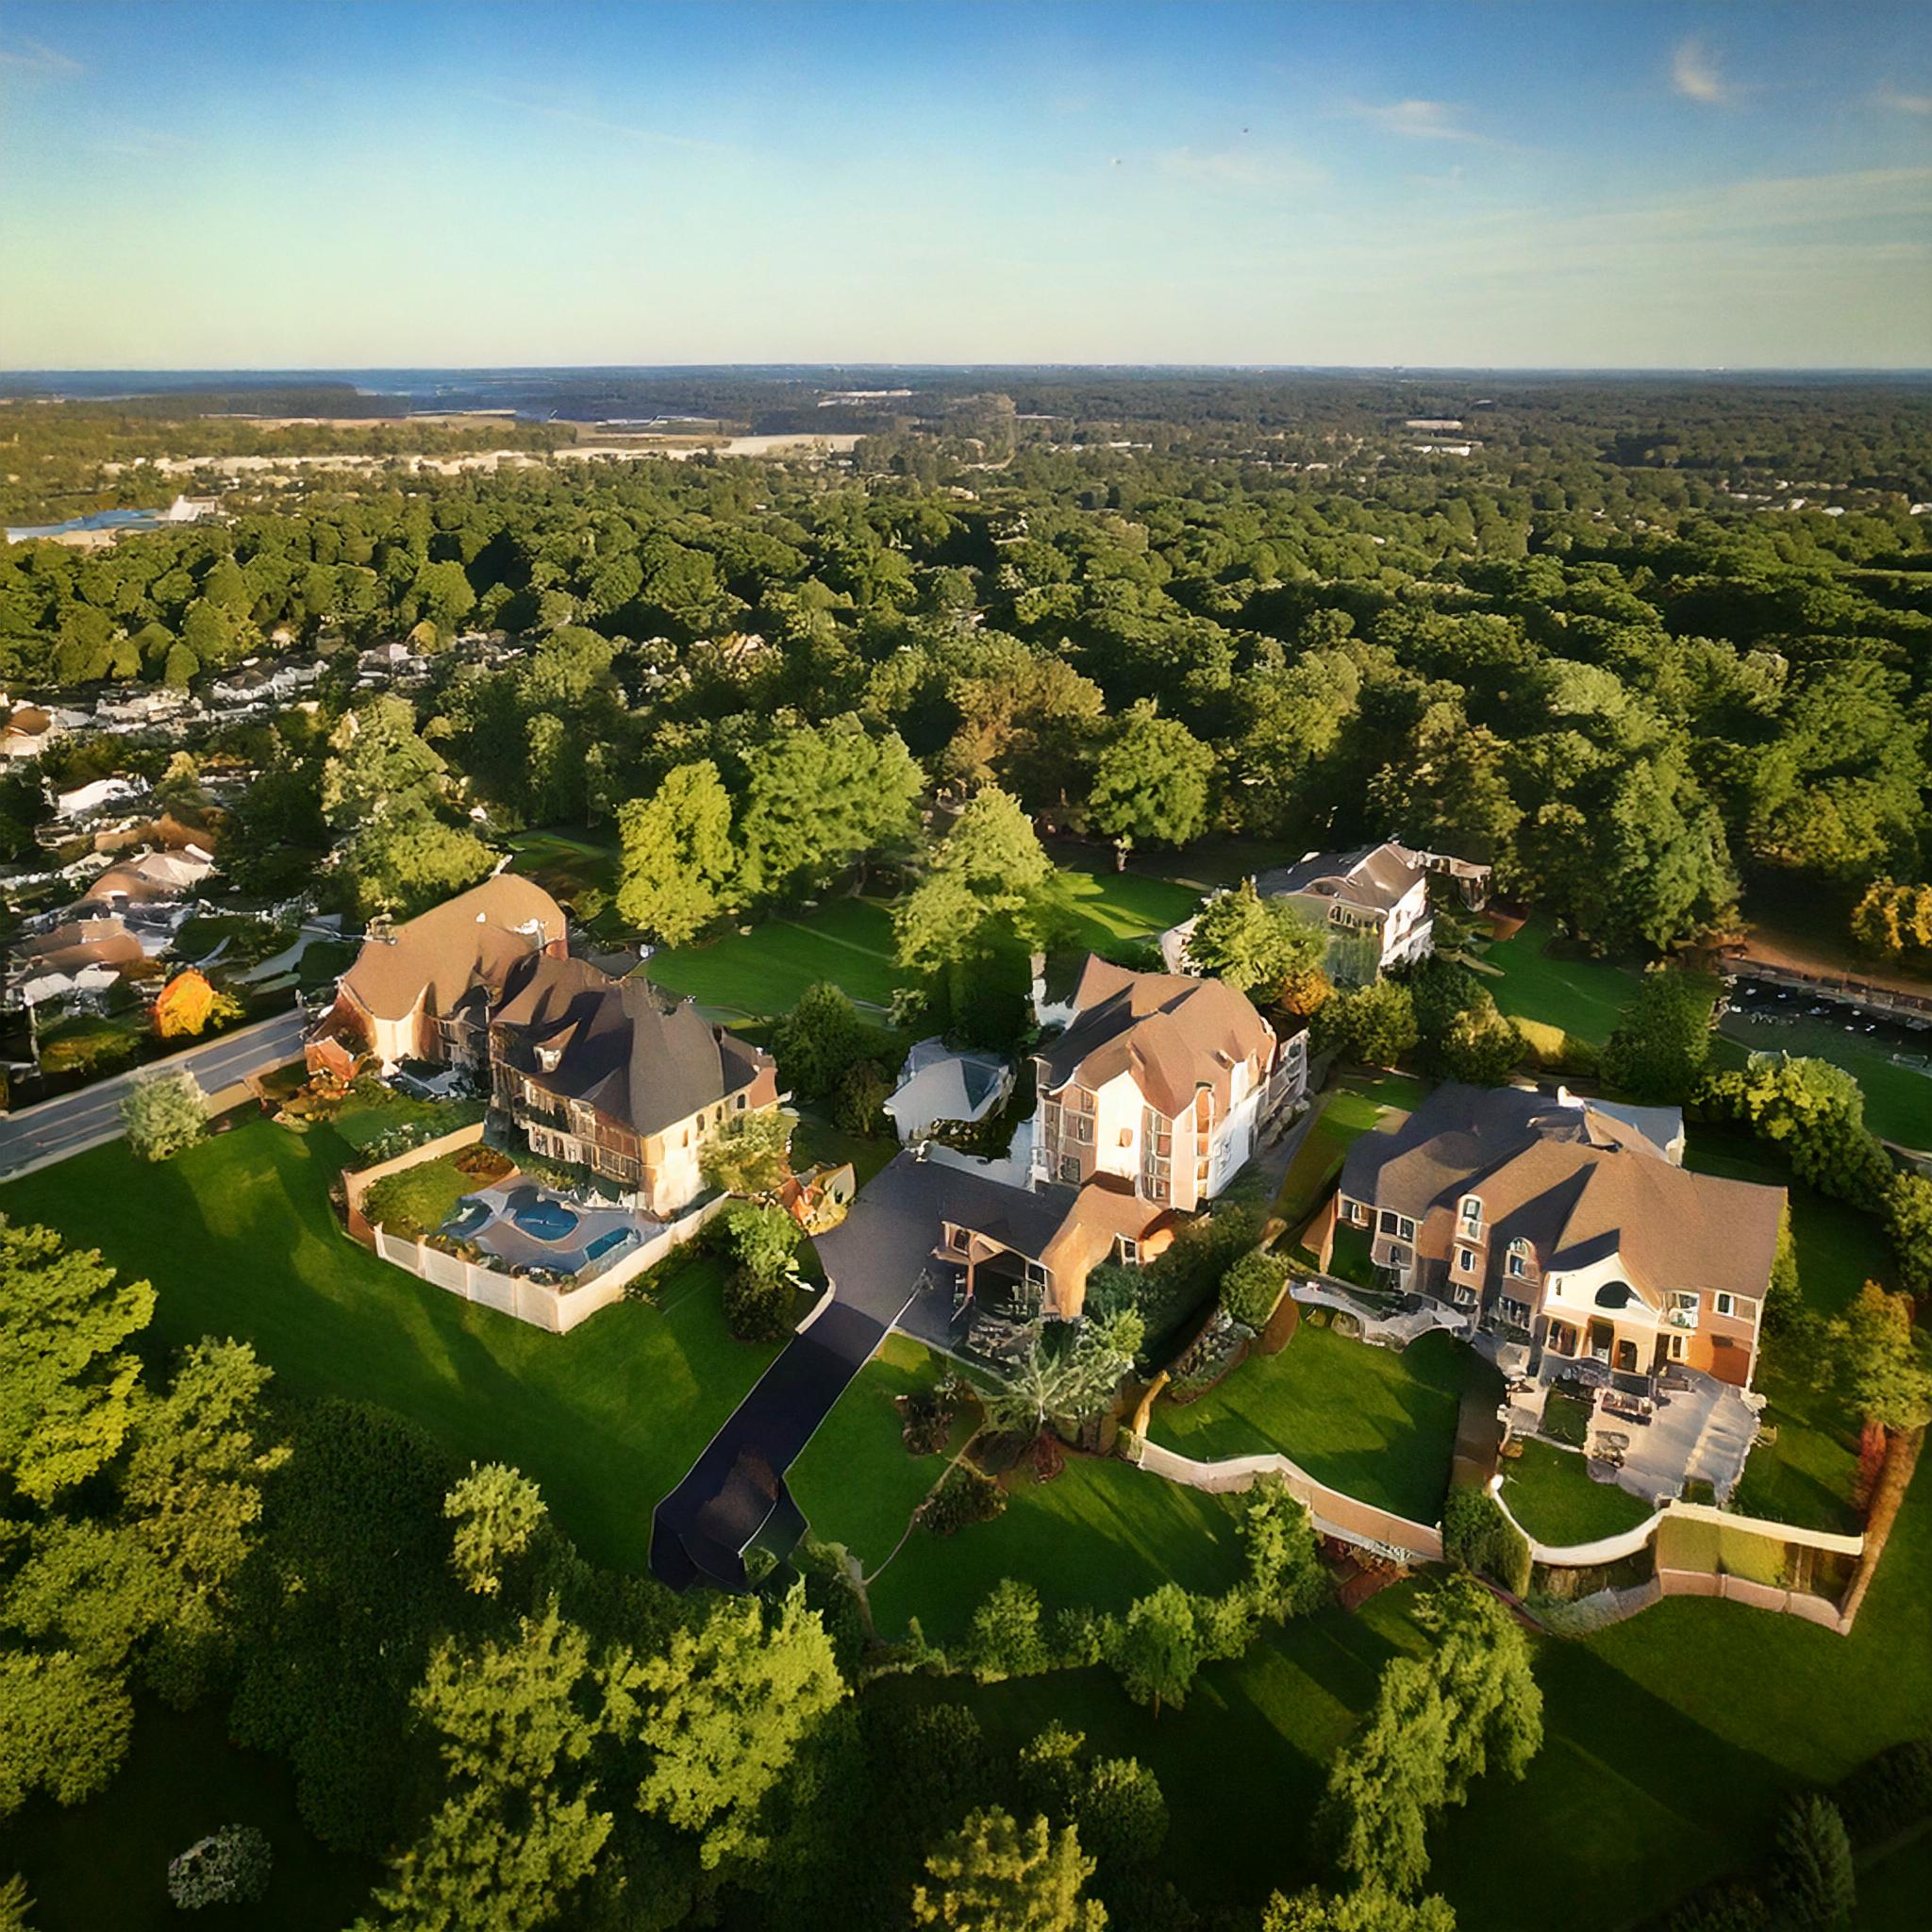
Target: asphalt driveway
872, 1261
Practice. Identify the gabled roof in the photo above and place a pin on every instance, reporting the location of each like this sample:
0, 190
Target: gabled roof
1376, 878
440, 957
938, 1085
620, 1045
1575, 1182
1171, 1032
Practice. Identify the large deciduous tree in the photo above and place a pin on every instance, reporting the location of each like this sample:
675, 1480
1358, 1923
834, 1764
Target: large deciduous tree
995, 1874
677, 859
1152, 781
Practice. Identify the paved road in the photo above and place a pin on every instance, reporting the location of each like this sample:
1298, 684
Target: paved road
872, 1259
54, 1129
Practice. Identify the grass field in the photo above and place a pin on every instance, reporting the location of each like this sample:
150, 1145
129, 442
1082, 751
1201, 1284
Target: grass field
1100, 1533
856, 1482
1805, 1475
1669, 1742
1380, 1425
761, 973
1550, 1493
1582, 996
849, 942
1898, 1101
238, 1238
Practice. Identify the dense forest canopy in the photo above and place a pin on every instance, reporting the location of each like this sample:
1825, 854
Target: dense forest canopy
1642, 639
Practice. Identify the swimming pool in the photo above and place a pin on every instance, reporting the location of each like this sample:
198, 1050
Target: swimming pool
605, 1243
544, 1220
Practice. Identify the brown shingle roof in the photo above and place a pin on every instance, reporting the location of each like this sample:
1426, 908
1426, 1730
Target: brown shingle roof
633, 1053
1174, 1033
1572, 1181
471, 940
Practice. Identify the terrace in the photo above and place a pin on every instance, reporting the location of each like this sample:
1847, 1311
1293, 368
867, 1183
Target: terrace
526, 1227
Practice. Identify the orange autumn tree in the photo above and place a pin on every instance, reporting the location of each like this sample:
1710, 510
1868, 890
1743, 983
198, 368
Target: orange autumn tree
187, 1004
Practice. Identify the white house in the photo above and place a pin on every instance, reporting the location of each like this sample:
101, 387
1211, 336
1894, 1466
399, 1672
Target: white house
937, 1085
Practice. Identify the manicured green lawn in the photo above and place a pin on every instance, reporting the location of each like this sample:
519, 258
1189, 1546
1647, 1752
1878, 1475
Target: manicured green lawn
848, 942
1550, 1493
1582, 996
238, 1238
1670, 1741
105, 1863
1378, 1425
1111, 906
856, 1482
1101, 1532
1892, 1891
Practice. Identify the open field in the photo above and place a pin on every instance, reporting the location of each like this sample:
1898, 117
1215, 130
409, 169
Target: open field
237, 1238
1670, 1741
1380, 1425
1582, 996
1550, 1493
761, 973
1100, 1533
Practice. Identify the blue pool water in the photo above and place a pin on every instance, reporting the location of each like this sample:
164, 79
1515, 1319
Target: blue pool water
545, 1221
605, 1243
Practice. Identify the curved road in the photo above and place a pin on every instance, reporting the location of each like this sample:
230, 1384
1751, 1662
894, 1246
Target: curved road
52, 1130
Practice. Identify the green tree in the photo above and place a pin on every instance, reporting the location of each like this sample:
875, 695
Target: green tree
520, 1829
1374, 1025
16, 1905
1257, 945
1285, 1575
818, 1039
409, 859
1151, 781
819, 797
1909, 1226
1892, 921
748, 1154
378, 765
987, 879
497, 1510
1159, 1648
1662, 1040
1057, 1385
1369, 1909
1006, 1637
1812, 1111
67, 1384
162, 1114
994, 1876
678, 860
64, 1725
724, 1711
1251, 1288
1481, 1046
1438, 1723
1816, 1884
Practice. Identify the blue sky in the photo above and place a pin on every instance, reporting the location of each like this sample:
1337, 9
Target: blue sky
308, 185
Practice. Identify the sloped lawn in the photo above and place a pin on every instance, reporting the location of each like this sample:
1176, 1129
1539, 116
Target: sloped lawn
237, 1238
1378, 1425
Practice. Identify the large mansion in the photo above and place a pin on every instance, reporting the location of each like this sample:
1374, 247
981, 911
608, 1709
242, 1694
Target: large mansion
612, 1075
1570, 1222
1159, 1081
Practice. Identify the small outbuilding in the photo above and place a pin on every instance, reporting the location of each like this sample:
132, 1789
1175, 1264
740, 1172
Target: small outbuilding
936, 1084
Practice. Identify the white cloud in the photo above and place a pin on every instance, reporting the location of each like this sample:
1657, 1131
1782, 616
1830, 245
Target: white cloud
36, 57
1239, 167
1694, 72
1888, 96
1419, 120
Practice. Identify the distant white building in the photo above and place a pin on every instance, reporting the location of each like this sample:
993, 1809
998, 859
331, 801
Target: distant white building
95, 796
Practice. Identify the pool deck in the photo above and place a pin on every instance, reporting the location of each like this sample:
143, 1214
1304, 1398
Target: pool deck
518, 1248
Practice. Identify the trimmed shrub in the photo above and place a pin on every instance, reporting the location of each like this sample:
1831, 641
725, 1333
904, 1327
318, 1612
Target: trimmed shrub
965, 1497
1477, 1536
1723, 1908
1888, 1792
757, 1308
1251, 1288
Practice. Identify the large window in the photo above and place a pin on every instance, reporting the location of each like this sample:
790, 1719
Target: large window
1518, 1259
1397, 1227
